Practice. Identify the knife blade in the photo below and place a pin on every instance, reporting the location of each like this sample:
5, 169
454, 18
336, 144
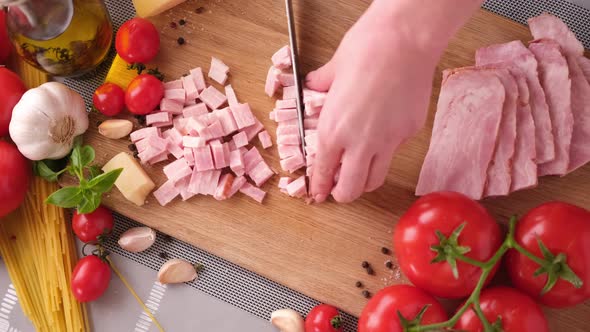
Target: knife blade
298, 84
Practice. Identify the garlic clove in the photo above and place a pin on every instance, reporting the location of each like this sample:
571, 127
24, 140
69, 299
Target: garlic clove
176, 271
137, 239
287, 320
115, 128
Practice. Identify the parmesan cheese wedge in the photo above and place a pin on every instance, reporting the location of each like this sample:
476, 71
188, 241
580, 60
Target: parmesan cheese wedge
148, 8
133, 183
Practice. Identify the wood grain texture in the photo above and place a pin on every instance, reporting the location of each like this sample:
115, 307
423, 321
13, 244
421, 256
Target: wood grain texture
315, 249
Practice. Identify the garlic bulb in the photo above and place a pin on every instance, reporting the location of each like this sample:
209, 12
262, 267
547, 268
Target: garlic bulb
46, 120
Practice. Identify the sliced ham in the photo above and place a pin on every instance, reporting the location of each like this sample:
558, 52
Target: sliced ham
547, 26
555, 79
166, 193
256, 193
466, 126
282, 58
585, 66
518, 55
213, 98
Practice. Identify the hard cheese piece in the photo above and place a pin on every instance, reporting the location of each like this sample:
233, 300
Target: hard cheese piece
148, 8
133, 183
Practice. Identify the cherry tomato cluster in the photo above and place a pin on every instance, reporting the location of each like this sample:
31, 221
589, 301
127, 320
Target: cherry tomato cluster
449, 246
137, 42
92, 274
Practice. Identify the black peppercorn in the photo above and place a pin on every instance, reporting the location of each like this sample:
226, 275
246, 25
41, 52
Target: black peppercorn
132, 147
370, 271
388, 264
163, 255
167, 238
365, 264
182, 22
200, 10
366, 294
358, 284
180, 41
135, 155
385, 251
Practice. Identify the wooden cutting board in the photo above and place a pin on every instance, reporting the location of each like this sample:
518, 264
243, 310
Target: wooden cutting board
315, 249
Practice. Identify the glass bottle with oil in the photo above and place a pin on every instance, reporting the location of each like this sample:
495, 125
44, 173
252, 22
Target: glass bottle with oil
61, 37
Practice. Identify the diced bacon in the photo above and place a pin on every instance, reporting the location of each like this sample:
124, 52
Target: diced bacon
190, 102
286, 151
210, 182
198, 78
162, 124
149, 153
194, 185
287, 79
283, 104
314, 98
190, 88
256, 193
309, 160
260, 173
209, 118
157, 117
312, 110
272, 116
189, 156
311, 139
289, 139
272, 81
309, 171
173, 136
218, 65
177, 84
157, 143
171, 106
163, 156
292, 122
310, 123
203, 158
193, 142
254, 129
287, 130
238, 183
310, 150
177, 170
174, 149
232, 145
218, 71
166, 193
179, 123
236, 162
178, 95
228, 123
143, 133
243, 116
230, 93
218, 77
240, 139
224, 187
218, 155
297, 188
215, 130
251, 159
284, 181
194, 126
308, 132
265, 139
182, 187
213, 97
243, 150
195, 110
282, 58
285, 114
289, 92
141, 145
293, 163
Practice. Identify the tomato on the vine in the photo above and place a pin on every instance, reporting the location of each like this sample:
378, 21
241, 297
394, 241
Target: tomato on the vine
137, 41
323, 318
12, 90
381, 312
506, 308
90, 227
416, 240
90, 279
563, 229
144, 94
15, 175
109, 99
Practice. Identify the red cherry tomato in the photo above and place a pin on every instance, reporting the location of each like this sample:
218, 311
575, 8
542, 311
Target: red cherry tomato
415, 234
90, 278
380, 314
90, 226
109, 99
516, 311
15, 175
144, 94
5, 45
323, 318
11, 90
563, 228
137, 41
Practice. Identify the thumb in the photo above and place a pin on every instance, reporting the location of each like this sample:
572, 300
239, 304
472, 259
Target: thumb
322, 78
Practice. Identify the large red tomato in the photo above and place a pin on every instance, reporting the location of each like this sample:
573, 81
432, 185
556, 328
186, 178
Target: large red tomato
11, 90
380, 313
415, 235
5, 46
137, 41
562, 228
15, 175
516, 311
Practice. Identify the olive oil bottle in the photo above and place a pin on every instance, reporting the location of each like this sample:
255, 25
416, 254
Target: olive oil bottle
61, 37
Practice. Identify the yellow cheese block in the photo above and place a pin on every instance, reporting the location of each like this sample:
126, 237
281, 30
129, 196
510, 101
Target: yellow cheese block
119, 74
147, 8
133, 183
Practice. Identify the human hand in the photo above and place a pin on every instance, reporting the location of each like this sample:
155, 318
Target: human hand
379, 87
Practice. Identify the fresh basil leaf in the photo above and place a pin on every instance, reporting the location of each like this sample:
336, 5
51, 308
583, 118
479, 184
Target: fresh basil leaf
78, 140
76, 161
90, 201
87, 155
94, 171
43, 170
104, 182
68, 197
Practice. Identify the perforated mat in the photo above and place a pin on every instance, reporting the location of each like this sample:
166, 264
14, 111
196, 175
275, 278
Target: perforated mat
240, 287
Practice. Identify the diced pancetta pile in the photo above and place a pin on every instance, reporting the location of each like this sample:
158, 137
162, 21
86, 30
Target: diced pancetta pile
285, 114
518, 114
209, 140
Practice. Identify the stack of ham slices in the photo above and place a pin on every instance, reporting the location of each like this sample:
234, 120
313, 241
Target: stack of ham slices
520, 113
210, 142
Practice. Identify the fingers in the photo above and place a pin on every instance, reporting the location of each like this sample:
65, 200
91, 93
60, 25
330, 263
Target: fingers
352, 179
322, 78
378, 171
326, 163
